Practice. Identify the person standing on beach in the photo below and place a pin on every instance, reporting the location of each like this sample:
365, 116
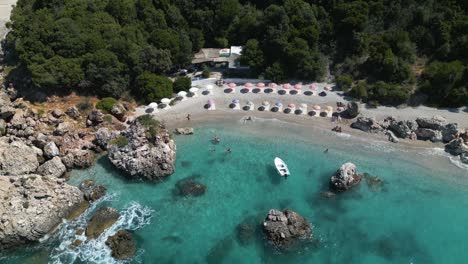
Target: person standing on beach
188, 117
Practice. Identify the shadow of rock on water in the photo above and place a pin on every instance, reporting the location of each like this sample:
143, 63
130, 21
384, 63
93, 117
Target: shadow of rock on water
186, 163
273, 174
374, 183
221, 250
401, 246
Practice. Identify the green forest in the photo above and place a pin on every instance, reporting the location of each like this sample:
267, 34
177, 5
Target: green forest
380, 51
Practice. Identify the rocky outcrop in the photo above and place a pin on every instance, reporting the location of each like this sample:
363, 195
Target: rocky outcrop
95, 118
63, 128
32, 206
78, 159
449, 132
434, 123
149, 154
352, 110
284, 228
457, 147
345, 177
367, 124
429, 134
91, 191
121, 244
403, 129
184, 131
73, 112
51, 150
101, 220
57, 113
53, 167
104, 136
391, 136
119, 111
17, 158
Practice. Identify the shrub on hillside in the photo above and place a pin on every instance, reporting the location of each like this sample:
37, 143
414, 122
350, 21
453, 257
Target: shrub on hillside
106, 104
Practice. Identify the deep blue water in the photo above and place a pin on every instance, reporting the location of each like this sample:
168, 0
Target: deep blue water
417, 216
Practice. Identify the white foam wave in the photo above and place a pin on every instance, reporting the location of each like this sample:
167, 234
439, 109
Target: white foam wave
134, 217
455, 160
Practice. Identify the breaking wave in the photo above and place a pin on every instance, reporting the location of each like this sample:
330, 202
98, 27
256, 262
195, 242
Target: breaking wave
133, 217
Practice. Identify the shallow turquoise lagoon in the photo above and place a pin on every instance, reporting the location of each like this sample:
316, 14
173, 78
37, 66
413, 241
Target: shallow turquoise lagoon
418, 216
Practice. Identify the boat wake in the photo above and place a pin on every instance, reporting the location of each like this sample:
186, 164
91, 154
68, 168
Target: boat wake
133, 217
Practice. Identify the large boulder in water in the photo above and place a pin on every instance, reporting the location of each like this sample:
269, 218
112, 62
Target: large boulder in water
91, 191
284, 228
32, 206
101, 220
148, 153
345, 177
121, 244
456, 147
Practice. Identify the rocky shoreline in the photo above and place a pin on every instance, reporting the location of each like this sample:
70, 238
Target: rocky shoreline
38, 148
435, 129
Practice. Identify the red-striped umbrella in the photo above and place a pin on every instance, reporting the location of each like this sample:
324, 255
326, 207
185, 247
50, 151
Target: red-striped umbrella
298, 86
260, 84
286, 86
272, 85
232, 85
248, 84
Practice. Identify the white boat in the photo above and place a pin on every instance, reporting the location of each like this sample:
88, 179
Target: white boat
281, 167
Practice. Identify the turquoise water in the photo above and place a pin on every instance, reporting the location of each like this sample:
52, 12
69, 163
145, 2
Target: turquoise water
418, 216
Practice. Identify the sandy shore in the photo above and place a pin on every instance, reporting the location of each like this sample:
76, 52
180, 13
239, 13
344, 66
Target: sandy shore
176, 115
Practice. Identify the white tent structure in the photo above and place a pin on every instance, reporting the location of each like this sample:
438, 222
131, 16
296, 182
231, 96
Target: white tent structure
194, 91
209, 89
303, 108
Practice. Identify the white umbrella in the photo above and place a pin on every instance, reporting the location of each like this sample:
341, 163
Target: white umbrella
182, 93
209, 87
165, 100
250, 103
153, 105
193, 90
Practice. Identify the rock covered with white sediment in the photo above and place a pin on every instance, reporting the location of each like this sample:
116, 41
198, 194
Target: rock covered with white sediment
345, 177
32, 206
143, 151
284, 228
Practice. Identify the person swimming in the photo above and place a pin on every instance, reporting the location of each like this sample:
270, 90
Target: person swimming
325, 151
216, 139
228, 150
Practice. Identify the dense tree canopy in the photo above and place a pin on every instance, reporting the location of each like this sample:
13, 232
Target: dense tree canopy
380, 50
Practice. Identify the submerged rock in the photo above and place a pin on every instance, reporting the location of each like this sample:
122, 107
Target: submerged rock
373, 182
91, 191
345, 177
101, 220
150, 152
32, 206
189, 187
285, 228
121, 245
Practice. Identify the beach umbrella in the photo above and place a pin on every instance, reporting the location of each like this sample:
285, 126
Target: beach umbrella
291, 105
193, 90
328, 88
209, 87
232, 85
317, 107
165, 100
304, 105
250, 103
340, 108
329, 108
313, 87
286, 86
265, 103
153, 105
260, 84
279, 104
272, 85
182, 93
211, 101
235, 101
298, 86
248, 84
